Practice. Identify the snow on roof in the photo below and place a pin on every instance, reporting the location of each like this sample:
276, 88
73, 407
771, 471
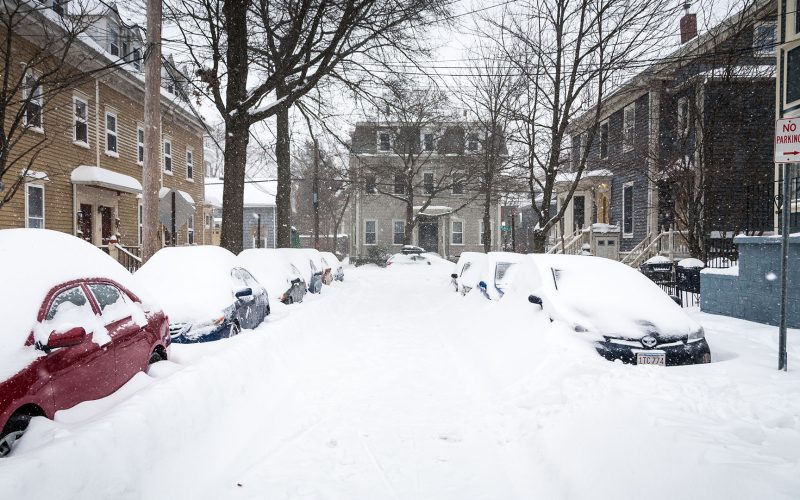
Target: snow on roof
36, 260
741, 71
256, 194
89, 175
570, 176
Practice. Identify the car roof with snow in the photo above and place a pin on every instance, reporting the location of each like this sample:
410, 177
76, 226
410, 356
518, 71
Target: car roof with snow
271, 268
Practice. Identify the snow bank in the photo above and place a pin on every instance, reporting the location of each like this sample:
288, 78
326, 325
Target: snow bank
191, 283
658, 259
36, 260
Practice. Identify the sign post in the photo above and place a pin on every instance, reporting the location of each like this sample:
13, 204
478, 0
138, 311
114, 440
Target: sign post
787, 150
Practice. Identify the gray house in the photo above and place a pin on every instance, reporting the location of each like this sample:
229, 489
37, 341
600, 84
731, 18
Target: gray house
259, 211
685, 147
445, 195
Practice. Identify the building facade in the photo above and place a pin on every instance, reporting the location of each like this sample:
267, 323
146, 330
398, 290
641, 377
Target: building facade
686, 145
446, 203
86, 179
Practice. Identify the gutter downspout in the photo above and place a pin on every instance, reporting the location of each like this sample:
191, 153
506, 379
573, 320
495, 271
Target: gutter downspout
97, 121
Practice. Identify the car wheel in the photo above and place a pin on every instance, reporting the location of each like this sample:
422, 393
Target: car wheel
155, 357
234, 329
14, 429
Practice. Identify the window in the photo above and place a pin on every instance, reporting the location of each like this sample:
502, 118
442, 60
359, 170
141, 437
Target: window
111, 133
140, 145
113, 39
137, 59
458, 183
141, 223
764, 39
370, 232
190, 230
427, 141
457, 232
81, 132
69, 299
793, 75
168, 155
384, 141
189, 164
797, 17
472, 142
370, 184
481, 233
627, 209
399, 184
399, 233
683, 116
427, 182
629, 119
604, 140
33, 102
106, 295
578, 212
34, 206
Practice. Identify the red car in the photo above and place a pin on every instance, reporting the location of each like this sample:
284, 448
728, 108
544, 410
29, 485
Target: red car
89, 337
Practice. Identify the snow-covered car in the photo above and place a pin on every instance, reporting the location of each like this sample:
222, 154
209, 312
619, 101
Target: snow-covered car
626, 315
73, 328
309, 262
336, 266
470, 270
401, 258
498, 272
205, 291
280, 277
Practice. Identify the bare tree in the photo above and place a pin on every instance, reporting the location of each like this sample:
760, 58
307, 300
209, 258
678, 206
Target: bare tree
568, 53
417, 129
44, 54
255, 59
490, 96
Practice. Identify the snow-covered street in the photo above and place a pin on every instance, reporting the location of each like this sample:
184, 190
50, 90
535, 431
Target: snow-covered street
390, 385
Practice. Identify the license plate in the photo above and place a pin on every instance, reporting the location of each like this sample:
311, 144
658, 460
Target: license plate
651, 358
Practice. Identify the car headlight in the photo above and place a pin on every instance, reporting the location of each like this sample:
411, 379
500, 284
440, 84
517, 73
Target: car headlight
696, 335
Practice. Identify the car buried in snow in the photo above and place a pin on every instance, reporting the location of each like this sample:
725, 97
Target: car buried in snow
205, 291
333, 262
280, 277
74, 330
469, 271
626, 316
498, 272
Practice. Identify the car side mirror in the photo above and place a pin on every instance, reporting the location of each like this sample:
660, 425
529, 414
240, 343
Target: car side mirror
454, 276
296, 281
535, 299
482, 285
243, 292
69, 338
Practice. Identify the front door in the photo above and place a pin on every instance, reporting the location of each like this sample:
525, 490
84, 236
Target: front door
85, 222
106, 223
429, 234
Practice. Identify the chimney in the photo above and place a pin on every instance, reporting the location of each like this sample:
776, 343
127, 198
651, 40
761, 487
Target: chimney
688, 24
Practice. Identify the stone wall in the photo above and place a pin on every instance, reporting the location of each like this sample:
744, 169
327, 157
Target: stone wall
754, 293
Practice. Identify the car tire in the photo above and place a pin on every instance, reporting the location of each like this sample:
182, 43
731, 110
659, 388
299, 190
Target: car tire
14, 429
155, 357
234, 329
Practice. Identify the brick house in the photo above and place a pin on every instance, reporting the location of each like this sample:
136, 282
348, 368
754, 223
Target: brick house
699, 106
450, 224
87, 179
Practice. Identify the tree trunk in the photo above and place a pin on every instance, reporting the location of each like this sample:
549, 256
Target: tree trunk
235, 155
237, 126
539, 241
487, 221
283, 200
408, 231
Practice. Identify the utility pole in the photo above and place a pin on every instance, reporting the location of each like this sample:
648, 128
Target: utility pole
315, 194
151, 173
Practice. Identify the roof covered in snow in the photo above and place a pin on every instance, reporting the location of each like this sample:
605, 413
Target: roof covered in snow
257, 193
90, 175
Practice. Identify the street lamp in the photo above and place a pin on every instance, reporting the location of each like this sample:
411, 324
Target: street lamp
258, 230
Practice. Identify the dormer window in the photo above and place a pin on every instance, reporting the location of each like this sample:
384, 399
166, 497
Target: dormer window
384, 141
113, 39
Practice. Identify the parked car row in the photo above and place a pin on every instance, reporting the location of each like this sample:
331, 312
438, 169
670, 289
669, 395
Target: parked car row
624, 314
79, 325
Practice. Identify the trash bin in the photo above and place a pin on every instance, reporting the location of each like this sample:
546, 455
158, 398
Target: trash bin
658, 269
687, 275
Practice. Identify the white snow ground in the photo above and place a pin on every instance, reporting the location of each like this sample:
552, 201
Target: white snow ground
390, 385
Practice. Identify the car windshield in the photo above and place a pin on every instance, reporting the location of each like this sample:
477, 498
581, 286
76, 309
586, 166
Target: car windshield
500, 271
